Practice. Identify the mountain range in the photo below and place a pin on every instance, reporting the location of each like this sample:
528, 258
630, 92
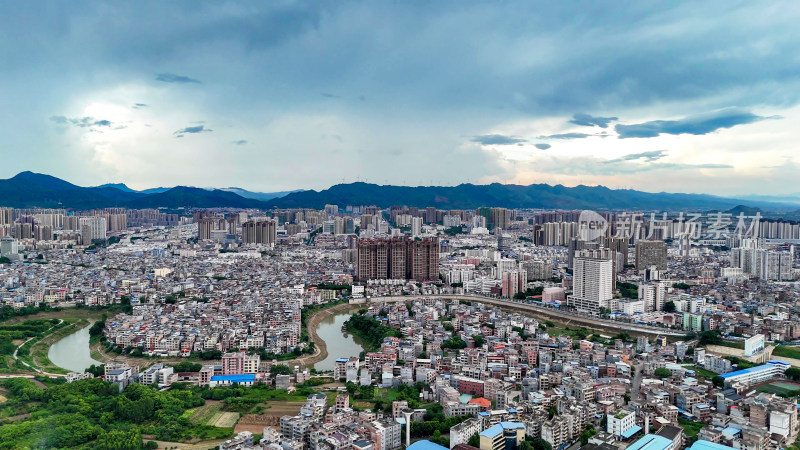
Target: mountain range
28, 189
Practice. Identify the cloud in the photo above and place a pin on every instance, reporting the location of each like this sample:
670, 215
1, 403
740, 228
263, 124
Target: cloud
497, 139
240, 142
172, 78
566, 136
696, 125
590, 121
193, 130
82, 122
650, 156
619, 166
542, 146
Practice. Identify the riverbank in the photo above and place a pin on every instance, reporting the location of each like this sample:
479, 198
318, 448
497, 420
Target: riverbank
83, 317
321, 348
99, 352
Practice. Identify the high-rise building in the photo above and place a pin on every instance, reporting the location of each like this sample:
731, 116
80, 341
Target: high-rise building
592, 285
264, 231
398, 258
368, 222
8, 246
496, 217
513, 282
619, 245
6, 216
92, 229
577, 244
204, 228
651, 253
416, 226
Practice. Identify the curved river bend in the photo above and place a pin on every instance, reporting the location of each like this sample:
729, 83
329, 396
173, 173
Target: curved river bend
72, 352
340, 344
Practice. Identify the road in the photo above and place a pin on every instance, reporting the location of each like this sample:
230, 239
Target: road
40, 372
637, 380
582, 320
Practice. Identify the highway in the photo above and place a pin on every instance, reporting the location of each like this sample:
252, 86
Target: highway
578, 319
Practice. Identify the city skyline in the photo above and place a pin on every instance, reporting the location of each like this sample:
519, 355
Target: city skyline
679, 98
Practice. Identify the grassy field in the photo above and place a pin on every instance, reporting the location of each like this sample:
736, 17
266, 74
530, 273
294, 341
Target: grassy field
700, 372
224, 419
779, 387
691, 428
787, 351
203, 414
739, 345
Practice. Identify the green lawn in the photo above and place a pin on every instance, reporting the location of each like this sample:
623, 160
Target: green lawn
783, 388
691, 428
700, 372
787, 351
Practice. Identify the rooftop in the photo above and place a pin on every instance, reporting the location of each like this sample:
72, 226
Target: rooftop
494, 430
652, 442
244, 378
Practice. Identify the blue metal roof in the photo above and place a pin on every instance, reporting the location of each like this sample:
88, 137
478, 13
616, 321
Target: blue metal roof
425, 445
494, 430
249, 377
708, 445
651, 442
631, 431
760, 368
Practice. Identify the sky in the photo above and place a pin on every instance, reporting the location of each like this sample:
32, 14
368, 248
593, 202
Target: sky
269, 96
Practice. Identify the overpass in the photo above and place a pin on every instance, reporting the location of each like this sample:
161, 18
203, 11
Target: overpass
544, 311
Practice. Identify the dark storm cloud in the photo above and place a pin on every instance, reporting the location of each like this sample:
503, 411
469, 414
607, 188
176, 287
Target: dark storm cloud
497, 139
566, 136
432, 73
172, 78
542, 146
193, 130
696, 125
590, 121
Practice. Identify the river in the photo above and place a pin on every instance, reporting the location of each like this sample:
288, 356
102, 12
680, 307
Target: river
339, 344
72, 352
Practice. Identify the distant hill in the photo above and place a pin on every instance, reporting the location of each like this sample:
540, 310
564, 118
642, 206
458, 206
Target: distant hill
263, 196
196, 197
469, 196
747, 210
29, 189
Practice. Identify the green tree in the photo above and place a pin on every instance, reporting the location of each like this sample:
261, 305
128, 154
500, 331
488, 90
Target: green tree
662, 372
710, 337
793, 373
718, 381
669, 307
541, 444
474, 440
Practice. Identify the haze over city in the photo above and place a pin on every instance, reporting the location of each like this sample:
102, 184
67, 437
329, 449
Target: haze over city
270, 96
